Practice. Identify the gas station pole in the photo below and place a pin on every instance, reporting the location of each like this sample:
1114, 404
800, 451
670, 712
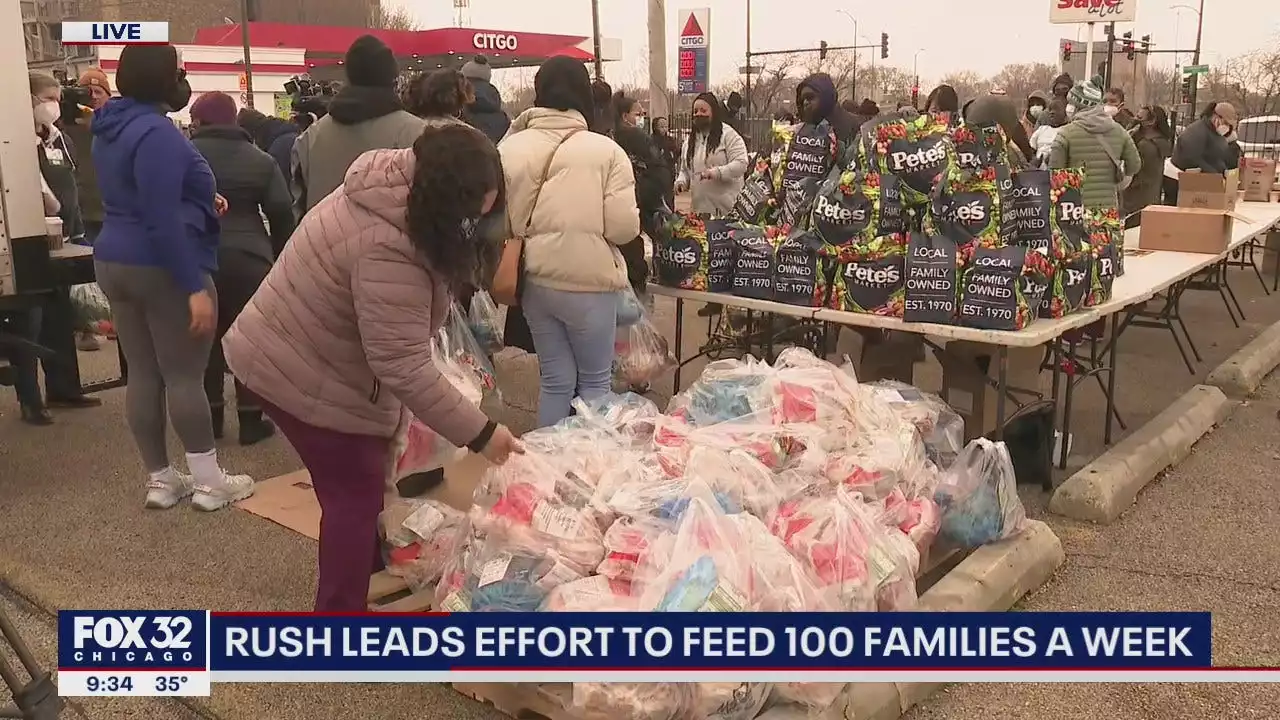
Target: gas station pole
659, 100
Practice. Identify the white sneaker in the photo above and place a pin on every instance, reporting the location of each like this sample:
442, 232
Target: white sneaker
168, 488
233, 488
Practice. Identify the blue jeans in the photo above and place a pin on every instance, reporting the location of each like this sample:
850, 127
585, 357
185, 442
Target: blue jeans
26, 366
573, 333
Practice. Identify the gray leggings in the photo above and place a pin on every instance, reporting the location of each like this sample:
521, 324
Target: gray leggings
152, 323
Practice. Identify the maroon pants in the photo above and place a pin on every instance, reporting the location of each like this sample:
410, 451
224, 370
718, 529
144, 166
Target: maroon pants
348, 473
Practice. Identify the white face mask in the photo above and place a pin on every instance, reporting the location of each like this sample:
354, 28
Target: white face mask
47, 112
1110, 110
1224, 129
1071, 110
1035, 112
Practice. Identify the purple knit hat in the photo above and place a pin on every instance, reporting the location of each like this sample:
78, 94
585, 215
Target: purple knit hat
214, 108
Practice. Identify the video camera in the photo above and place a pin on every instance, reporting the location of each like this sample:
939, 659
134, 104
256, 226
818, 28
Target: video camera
309, 100
76, 100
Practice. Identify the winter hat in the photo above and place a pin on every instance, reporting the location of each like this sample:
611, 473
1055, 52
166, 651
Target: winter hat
1064, 81
214, 108
370, 63
1227, 112
477, 69
1085, 95
95, 77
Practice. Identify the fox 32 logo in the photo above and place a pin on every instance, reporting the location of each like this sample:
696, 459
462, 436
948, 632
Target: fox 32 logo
129, 640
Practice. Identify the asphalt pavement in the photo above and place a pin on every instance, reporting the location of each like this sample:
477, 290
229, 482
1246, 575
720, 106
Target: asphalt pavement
74, 534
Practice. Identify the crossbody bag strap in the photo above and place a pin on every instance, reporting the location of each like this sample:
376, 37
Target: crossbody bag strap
546, 171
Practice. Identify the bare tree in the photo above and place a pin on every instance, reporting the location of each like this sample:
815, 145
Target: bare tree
393, 18
967, 84
1163, 87
1250, 82
775, 85
1020, 80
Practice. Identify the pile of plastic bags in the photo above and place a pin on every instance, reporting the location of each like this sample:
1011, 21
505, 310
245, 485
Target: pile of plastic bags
783, 487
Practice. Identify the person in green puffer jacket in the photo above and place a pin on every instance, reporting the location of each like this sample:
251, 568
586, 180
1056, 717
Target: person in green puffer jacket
1095, 142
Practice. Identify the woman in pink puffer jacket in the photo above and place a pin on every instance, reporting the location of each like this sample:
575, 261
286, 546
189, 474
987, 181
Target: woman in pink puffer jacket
337, 340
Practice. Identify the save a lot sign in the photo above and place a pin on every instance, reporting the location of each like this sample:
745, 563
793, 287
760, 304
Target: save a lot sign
1091, 11
695, 47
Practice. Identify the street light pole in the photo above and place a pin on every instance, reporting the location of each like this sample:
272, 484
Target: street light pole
1195, 60
248, 62
595, 38
749, 68
853, 79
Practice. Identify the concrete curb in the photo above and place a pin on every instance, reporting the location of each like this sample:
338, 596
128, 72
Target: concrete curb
1243, 372
992, 578
1108, 486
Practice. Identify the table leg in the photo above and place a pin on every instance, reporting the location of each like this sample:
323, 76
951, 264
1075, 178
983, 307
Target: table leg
1221, 283
679, 338
1253, 247
768, 337
1055, 357
1226, 283
1112, 412
1068, 397
1002, 378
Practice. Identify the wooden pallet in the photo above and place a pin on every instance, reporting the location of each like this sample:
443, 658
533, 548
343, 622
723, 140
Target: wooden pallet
522, 701
388, 593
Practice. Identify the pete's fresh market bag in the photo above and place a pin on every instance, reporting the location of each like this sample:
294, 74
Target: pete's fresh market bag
1070, 226
1106, 228
754, 257
932, 274
853, 210
1029, 210
1106, 263
1002, 287
694, 255
967, 206
1070, 286
805, 155
915, 150
754, 202
798, 270
873, 284
975, 148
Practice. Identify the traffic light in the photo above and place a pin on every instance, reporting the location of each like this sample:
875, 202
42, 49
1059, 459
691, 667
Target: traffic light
1187, 85
1129, 50
1066, 51
1146, 44
884, 46
822, 50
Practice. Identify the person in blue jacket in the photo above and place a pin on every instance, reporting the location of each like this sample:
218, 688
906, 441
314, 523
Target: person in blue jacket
154, 260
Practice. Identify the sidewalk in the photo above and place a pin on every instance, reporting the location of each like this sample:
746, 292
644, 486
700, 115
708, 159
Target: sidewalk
1203, 538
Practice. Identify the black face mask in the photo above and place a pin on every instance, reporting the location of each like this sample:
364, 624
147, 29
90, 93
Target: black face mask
701, 122
180, 95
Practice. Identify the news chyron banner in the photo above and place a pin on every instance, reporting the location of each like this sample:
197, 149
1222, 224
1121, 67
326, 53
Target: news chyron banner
181, 653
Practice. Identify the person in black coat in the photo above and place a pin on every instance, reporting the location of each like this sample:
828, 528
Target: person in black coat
669, 146
252, 184
484, 112
272, 135
1203, 145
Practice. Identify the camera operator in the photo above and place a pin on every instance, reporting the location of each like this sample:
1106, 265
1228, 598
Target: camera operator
79, 100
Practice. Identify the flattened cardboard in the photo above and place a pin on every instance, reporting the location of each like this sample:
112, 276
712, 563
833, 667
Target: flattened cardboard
1183, 229
290, 501
1208, 191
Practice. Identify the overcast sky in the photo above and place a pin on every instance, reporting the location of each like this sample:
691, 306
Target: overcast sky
979, 35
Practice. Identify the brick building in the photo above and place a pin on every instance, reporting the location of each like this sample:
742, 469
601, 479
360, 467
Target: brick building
184, 17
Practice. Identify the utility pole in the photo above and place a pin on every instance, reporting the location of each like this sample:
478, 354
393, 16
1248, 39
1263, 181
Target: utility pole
245, 17
1195, 60
1111, 53
747, 99
659, 100
595, 38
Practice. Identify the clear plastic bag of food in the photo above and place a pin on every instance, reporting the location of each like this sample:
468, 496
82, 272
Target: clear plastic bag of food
532, 500
641, 354
740, 481
630, 310
457, 343
90, 305
875, 465
594, 593
921, 521
723, 392
485, 322
633, 417
419, 537
626, 540
641, 701
978, 497
940, 427
419, 449
730, 701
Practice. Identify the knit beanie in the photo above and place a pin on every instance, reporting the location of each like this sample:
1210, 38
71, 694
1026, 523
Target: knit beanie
478, 69
94, 77
214, 108
1085, 95
370, 63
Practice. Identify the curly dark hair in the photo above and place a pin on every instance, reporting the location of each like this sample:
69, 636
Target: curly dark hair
456, 166
443, 93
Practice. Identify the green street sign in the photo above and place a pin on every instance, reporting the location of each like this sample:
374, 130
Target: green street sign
1195, 70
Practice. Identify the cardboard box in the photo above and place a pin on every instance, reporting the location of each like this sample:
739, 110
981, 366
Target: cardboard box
1208, 191
892, 357
1183, 229
289, 500
1257, 176
969, 373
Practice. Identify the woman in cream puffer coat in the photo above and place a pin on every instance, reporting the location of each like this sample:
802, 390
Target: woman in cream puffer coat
571, 194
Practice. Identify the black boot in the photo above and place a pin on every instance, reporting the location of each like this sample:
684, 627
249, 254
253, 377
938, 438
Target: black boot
419, 484
253, 427
219, 420
36, 416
